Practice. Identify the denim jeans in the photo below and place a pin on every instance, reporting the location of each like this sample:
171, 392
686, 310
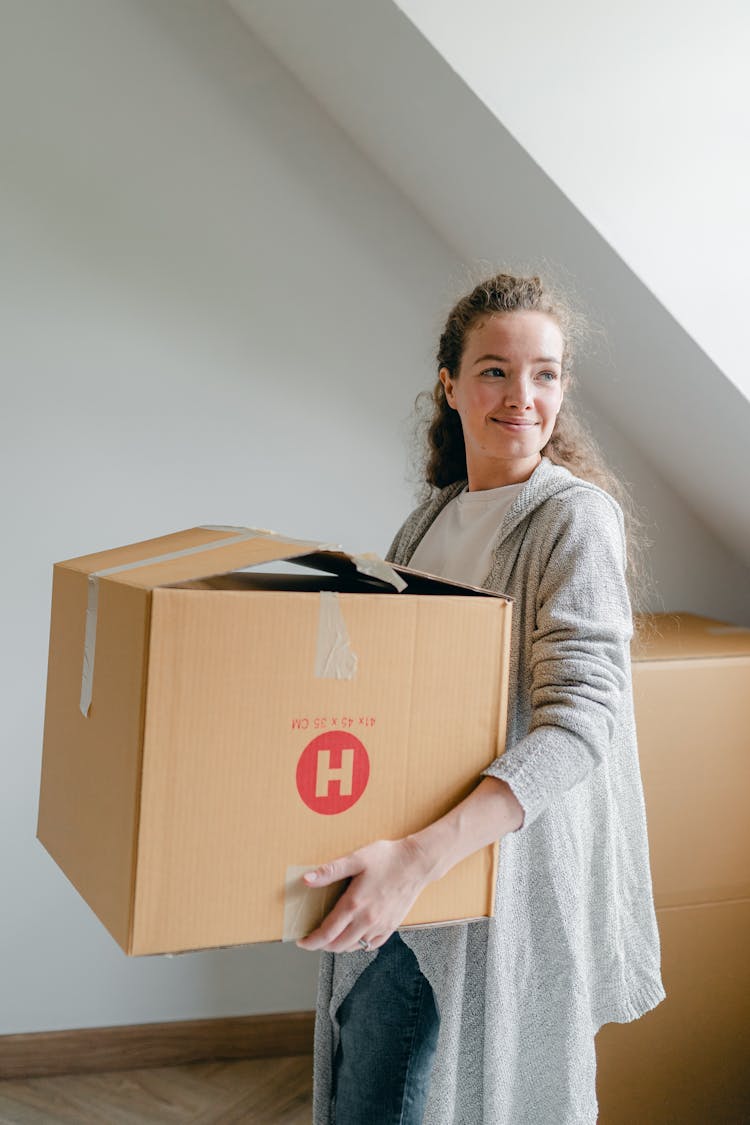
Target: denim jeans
389, 1029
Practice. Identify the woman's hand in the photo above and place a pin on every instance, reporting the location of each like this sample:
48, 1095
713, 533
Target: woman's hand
386, 878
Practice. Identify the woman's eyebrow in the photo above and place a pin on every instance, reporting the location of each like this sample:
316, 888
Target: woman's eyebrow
502, 359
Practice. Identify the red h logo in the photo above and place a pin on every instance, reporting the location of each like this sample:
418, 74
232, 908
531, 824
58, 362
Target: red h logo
332, 772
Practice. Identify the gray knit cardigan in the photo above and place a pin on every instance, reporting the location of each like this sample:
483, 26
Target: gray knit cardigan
574, 942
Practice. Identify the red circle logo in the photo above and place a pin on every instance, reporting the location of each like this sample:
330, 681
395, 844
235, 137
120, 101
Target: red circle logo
332, 772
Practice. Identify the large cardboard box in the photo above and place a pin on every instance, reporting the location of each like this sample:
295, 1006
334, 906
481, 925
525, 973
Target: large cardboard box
687, 1061
210, 733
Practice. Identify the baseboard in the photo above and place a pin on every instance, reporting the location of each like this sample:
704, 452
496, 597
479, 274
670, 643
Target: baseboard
92, 1049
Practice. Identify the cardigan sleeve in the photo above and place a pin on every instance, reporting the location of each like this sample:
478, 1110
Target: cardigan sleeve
579, 655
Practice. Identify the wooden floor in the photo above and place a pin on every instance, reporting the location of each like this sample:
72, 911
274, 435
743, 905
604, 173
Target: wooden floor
266, 1091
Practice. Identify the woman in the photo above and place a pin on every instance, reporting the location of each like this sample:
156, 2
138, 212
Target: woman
494, 1021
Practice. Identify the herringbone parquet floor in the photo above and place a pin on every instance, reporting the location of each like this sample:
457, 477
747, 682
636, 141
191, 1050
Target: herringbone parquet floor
253, 1091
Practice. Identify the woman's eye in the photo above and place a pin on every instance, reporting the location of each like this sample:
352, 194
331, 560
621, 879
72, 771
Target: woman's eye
493, 372
548, 376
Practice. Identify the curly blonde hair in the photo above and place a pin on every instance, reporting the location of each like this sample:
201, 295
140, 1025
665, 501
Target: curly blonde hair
570, 444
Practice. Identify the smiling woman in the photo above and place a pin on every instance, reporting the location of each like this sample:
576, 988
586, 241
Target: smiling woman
494, 1020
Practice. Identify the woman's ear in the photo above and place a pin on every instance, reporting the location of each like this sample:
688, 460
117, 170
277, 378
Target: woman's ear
445, 378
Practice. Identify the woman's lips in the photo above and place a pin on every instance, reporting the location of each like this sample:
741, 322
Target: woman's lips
514, 425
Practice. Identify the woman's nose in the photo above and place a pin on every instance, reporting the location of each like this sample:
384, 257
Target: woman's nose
518, 393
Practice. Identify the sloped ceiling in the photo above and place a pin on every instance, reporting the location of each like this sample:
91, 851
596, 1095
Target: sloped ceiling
640, 113
418, 121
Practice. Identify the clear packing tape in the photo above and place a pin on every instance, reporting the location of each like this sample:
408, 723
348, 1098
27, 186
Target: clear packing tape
306, 907
334, 657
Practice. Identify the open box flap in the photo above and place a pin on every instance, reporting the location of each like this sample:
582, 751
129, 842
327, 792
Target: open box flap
199, 553
345, 565
421, 581
202, 552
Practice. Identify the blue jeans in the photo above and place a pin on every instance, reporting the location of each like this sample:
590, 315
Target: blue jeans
389, 1030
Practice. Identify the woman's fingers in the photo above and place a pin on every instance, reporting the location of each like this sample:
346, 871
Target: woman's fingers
332, 872
379, 939
373, 942
386, 877
348, 921
331, 927
348, 941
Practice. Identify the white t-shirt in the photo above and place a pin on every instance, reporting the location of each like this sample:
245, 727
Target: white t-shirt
458, 544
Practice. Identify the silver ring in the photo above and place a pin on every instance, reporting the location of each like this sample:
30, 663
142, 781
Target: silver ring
365, 944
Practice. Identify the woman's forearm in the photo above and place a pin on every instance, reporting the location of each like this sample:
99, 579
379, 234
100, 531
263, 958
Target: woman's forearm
486, 815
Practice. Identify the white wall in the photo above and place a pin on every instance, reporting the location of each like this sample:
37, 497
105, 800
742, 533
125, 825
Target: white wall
639, 112
691, 571
213, 309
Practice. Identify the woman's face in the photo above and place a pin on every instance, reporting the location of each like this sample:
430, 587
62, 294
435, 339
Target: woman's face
508, 393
